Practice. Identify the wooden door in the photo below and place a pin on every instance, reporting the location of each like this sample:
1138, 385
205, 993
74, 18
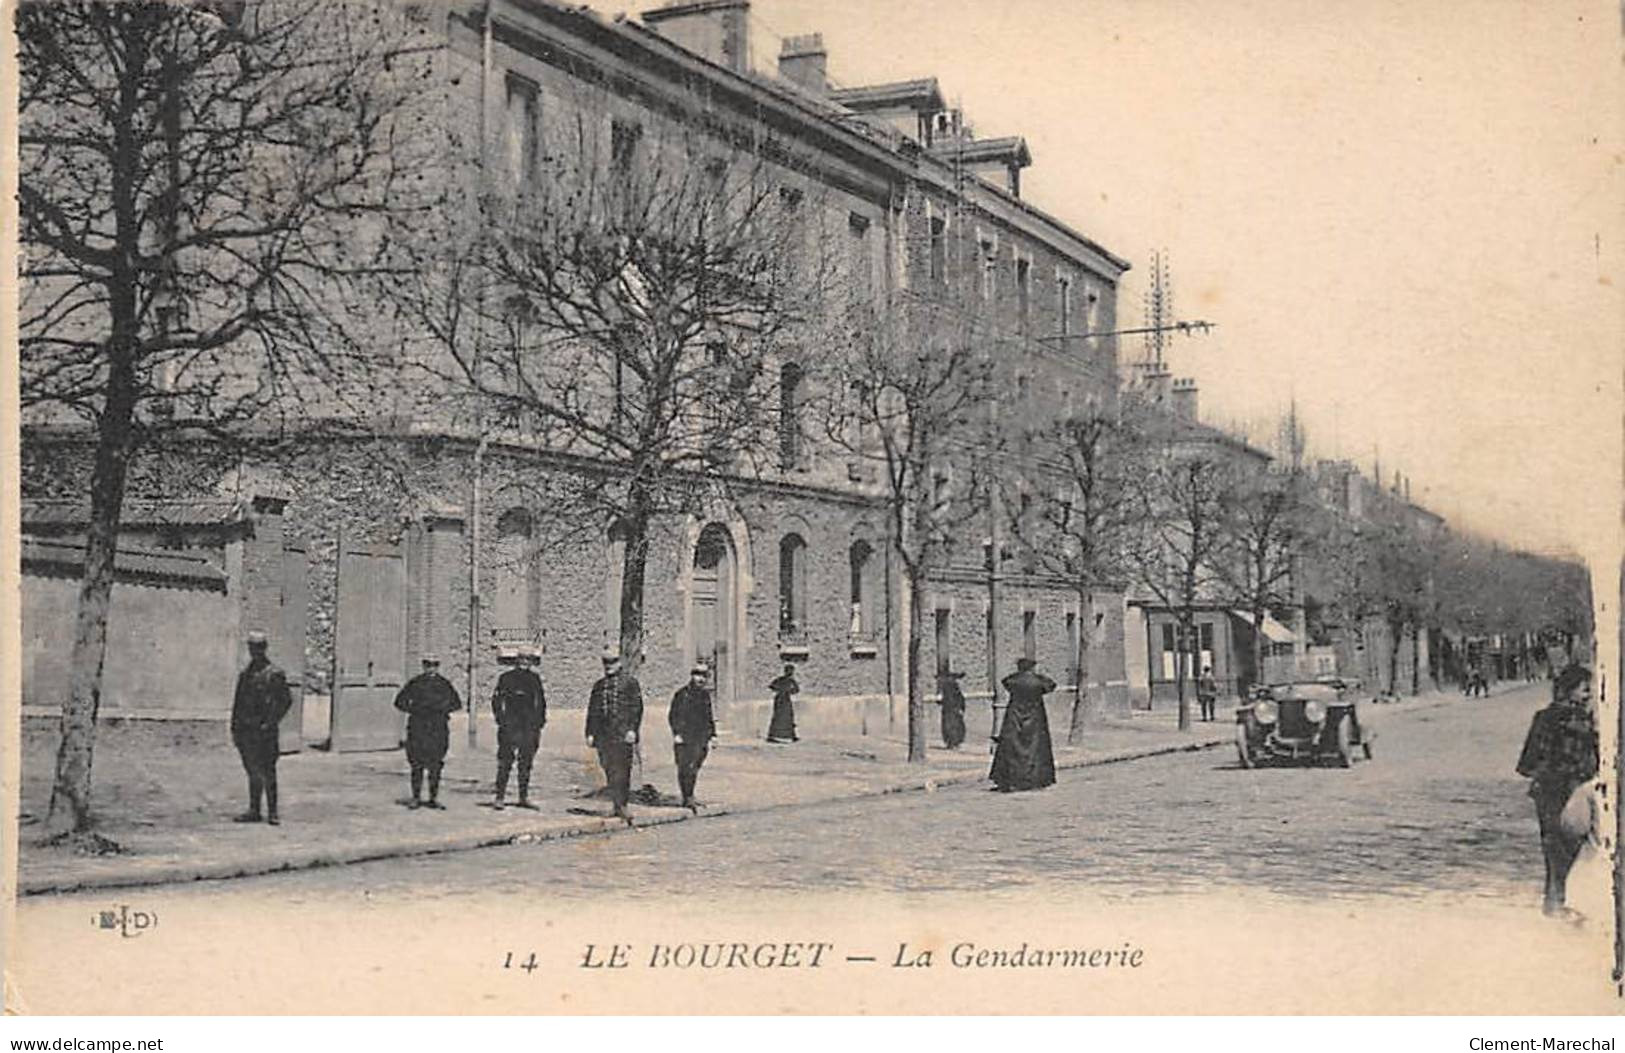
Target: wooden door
291, 634
369, 647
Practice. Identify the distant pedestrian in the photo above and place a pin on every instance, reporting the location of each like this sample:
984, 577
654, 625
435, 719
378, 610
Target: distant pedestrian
953, 709
519, 706
782, 728
693, 726
1024, 758
428, 700
1207, 693
614, 717
257, 708
1559, 755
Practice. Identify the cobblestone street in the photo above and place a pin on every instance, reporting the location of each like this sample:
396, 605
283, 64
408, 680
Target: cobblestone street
1439, 809
1397, 868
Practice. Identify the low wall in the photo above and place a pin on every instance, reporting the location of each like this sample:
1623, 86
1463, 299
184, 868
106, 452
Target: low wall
169, 649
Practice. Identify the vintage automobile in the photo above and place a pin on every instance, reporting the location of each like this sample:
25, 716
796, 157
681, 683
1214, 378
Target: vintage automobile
1311, 720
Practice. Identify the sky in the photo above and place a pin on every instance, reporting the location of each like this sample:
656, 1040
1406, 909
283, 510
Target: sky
1405, 217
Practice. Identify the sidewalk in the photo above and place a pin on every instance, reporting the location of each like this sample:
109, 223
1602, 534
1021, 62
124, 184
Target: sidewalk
167, 796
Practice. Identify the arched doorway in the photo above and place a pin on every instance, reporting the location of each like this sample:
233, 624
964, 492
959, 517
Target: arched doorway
713, 597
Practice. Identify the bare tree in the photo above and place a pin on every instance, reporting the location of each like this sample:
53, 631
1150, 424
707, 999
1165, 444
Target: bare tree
642, 309
1266, 517
1080, 528
196, 184
910, 396
1181, 497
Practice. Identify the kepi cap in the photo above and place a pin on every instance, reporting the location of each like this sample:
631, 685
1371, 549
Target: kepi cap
1025, 663
611, 654
256, 638
429, 658
700, 668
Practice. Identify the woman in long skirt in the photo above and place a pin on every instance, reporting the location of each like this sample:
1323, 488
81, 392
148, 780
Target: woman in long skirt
783, 726
953, 710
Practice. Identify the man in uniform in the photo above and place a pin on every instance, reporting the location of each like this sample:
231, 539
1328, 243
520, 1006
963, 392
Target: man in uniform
1024, 758
1207, 692
693, 726
257, 708
1559, 754
519, 706
428, 700
614, 715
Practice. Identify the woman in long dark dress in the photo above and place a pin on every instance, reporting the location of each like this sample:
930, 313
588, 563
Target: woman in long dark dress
783, 726
1024, 759
953, 710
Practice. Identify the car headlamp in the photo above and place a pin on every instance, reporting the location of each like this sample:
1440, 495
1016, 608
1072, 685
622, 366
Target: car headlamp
1313, 711
1265, 711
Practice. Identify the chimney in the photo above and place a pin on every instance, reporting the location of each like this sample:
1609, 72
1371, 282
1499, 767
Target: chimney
804, 62
1184, 398
716, 30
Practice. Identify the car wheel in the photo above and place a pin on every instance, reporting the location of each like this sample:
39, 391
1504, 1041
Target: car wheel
1345, 744
1244, 749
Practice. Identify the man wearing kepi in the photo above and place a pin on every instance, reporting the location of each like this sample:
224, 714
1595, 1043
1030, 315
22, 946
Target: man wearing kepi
614, 715
428, 700
1560, 754
257, 708
693, 726
1023, 759
519, 706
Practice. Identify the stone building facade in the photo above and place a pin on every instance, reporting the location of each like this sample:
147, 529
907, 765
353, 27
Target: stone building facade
791, 566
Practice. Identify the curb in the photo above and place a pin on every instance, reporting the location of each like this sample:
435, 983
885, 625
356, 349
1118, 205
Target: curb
182, 873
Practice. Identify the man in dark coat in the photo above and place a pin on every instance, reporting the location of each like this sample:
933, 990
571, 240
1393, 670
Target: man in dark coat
1559, 754
782, 728
257, 708
953, 709
614, 717
1207, 693
693, 726
1024, 758
519, 706
428, 700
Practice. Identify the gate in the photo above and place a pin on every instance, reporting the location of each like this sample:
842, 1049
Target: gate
369, 647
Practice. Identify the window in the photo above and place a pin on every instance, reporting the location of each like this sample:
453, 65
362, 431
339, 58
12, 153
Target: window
790, 198
944, 642
857, 228
1063, 305
990, 269
939, 250
623, 146
522, 127
1072, 648
792, 588
862, 620
1169, 669
790, 379
1023, 293
1029, 634
512, 559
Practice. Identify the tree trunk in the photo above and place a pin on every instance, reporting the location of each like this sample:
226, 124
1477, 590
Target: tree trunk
1396, 632
70, 794
634, 563
1416, 660
1259, 614
916, 690
1074, 733
1181, 659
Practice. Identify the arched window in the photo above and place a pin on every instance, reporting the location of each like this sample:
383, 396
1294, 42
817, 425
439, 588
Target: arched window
513, 559
861, 594
792, 587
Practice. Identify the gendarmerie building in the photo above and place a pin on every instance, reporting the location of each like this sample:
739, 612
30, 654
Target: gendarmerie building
361, 550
